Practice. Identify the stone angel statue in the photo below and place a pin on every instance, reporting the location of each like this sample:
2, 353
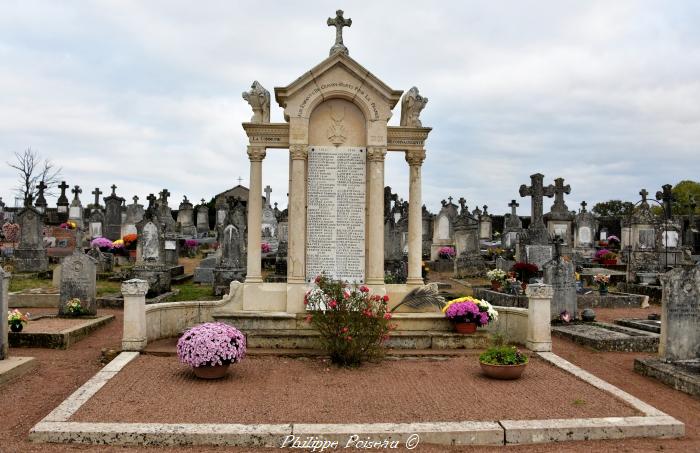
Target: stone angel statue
411, 106
259, 99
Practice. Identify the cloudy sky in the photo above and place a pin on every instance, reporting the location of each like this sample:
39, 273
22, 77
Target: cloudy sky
147, 95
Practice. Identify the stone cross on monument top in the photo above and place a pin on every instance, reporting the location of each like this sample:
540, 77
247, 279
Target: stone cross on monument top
40, 200
667, 197
62, 198
339, 22
97, 192
559, 190
583, 206
513, 204
76, 190
136, 199
644, 194
114, 190
537, 191
164, 194
151, 200
268, 191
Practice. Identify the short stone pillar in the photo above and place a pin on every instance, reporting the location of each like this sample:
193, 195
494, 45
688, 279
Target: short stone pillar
539, 334
135, 335
4, 285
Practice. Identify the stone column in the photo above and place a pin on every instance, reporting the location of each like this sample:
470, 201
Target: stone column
415, 160
375, 221
256, 155
539, 333
135, 334
4, 304
296, 259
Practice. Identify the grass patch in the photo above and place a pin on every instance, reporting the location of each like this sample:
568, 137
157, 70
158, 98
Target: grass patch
106, 287
19, 284
193, 291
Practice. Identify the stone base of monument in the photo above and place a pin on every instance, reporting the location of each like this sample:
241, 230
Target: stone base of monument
34, 297
470, 265
56, 333
158, 278
30, 260
608, 337
223, 278
683, 375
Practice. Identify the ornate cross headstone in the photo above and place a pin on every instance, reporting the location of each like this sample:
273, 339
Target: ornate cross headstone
583, 206
339, 22
164, 194
537, 191
113, 215
62, 202
667, 196
40, 200
97, 192
136, 199
644, 194
76, 191
512, 206
559, 190
151, 201
268, 191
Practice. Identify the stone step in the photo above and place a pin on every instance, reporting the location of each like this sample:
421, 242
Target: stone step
434, 321
309, 339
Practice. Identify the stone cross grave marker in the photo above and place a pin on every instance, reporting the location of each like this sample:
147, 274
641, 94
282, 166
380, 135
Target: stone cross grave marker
113, 215
40, 200
667, 196
537, 191
559, 190
97, 192
78, 274
62, 202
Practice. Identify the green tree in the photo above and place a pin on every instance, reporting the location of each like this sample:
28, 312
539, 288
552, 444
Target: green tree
613, 208
683, 192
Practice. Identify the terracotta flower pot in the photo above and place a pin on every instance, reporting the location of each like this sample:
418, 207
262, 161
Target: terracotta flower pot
495, 285
608, 262
502, 371
211, 372
465, 327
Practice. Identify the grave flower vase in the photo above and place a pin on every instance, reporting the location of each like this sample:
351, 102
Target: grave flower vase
16, 327
465, 328
211, 371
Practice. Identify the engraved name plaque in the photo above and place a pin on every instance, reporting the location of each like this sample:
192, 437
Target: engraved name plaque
335, 228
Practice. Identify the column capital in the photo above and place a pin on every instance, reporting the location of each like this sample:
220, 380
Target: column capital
376, 153
539, 291
299, 152
256, 153
415, 157
134, 287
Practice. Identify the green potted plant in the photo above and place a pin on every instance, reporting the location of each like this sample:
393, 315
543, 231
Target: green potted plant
502, 361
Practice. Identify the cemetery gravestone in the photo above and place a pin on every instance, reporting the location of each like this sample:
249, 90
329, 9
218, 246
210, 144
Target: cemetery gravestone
75, 212
559, 219
513, 227
62, 241
680, 316
204, 273
150, 251
41, 203
230, 266
485, 225
96, 224
560, 274
203, 219
443, 231
113, 215
134, 214
4, 327
536, 232
78, 275
185, 218
62, 202
30, 254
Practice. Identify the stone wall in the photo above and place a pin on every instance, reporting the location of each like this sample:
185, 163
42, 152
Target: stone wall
610, 300
500, 299
654, 292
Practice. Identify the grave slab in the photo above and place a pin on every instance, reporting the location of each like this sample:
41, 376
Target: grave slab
608, 337
56, 333
13, 367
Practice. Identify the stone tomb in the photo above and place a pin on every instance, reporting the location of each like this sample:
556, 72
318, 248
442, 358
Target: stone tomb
678, 364
150, 251
30, 254
78, 275
337, 111
113, 215
559, 273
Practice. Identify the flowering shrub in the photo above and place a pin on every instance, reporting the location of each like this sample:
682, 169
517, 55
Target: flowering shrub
118, 244
16, 317
130, 241
525, 271
211, 343
496, 274
102, 243
265, 247
11, 232
470, 309
353, 323
74, 307
446, 252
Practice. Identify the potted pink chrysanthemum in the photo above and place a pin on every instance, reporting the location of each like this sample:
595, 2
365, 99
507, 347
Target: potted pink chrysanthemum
210, 348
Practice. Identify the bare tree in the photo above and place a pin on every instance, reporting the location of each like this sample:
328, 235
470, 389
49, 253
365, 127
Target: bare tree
33, 169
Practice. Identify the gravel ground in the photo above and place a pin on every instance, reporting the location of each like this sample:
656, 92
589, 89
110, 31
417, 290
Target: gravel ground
270, 390
59, 373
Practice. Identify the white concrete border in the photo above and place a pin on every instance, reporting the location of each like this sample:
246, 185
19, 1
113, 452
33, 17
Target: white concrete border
55, 427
